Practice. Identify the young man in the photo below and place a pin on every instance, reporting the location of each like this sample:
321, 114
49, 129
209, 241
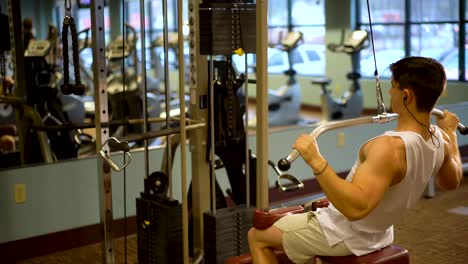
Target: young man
388, 178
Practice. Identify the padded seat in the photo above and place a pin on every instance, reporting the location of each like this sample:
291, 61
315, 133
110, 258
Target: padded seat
321, 81
392, 254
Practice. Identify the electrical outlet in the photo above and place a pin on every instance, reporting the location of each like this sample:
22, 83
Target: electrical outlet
340, 141
20, 193
337, 89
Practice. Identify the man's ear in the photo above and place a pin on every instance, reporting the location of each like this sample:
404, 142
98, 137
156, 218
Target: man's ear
407, 95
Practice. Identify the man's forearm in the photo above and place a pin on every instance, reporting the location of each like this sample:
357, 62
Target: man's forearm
345, 196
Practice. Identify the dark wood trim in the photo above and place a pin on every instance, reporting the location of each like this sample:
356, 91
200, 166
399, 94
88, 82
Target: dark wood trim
318, 108
14, 251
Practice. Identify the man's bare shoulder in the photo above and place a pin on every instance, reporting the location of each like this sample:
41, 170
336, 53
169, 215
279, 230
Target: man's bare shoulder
387, 142
385, 148
386, 154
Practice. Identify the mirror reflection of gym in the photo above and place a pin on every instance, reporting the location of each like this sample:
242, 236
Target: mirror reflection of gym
284, 103
351, 103
61, 123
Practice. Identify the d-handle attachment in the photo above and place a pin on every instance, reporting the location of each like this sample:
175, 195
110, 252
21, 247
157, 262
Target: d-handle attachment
116, 144
294, 183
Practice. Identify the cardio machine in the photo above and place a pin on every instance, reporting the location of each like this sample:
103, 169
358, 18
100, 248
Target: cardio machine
351, 103
285, 102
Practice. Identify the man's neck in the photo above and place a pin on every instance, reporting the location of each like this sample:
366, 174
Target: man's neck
407, 122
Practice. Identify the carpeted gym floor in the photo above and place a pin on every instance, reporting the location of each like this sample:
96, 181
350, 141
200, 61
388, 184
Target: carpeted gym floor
435, 232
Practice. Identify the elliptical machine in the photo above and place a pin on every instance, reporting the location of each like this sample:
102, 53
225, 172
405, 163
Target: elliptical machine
285, 102
351, 103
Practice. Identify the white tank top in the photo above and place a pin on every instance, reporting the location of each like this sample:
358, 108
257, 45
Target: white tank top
375, 231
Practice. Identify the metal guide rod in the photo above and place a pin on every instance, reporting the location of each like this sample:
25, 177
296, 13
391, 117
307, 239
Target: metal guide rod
262, 103
167, 90
183, 134
199, 87
246, 131
102, 116
212, 135
143, 86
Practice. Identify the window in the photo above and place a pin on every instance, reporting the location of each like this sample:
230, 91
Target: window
404, 28
298, 18
294, 15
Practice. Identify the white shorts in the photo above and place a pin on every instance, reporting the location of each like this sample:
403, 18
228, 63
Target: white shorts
303, 238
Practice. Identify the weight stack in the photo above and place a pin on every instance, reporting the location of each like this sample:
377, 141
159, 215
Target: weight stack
225, 233
159, 230
225, 24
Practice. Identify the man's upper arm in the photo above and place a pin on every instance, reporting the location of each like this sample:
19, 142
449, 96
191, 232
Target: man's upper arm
449, 174
385, 159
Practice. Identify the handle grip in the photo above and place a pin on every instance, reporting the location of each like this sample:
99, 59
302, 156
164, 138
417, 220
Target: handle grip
118, 145
462, 129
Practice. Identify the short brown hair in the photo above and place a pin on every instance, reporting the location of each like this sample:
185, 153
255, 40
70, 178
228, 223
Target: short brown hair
424, 76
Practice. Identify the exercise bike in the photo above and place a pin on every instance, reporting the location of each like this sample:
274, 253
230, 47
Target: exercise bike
349, 105
285, 102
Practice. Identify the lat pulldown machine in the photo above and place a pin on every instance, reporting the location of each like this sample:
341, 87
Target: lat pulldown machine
226, 27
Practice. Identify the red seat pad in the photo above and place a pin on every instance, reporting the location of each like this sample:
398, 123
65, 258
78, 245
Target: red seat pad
392, 254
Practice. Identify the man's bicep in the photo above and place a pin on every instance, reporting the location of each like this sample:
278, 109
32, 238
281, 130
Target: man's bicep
373, 181
375, 175
447, 175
